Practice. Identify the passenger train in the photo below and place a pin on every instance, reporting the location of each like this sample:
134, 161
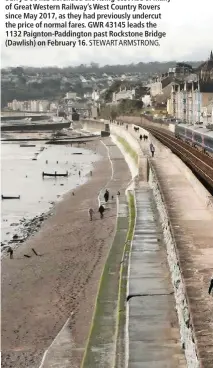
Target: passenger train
197, 136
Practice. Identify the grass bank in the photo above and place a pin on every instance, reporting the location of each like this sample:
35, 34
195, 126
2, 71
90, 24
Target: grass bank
107, 321
128, 149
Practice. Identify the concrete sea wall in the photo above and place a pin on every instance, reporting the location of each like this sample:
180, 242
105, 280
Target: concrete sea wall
183, 312
142, 160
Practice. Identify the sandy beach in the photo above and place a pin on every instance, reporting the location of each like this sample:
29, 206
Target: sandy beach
40, 293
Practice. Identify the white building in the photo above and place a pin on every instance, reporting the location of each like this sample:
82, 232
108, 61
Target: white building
147, 100
71, 95
34, 105
95, 95
43, 106
123, 95
207, 113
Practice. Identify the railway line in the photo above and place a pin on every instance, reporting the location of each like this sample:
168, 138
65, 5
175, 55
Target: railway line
200, 163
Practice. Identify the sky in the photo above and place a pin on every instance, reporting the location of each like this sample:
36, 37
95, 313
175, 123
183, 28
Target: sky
188, 24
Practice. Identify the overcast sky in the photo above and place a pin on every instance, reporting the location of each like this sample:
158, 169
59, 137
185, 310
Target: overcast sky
189, 28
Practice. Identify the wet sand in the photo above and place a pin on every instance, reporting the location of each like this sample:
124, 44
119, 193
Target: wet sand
40, 293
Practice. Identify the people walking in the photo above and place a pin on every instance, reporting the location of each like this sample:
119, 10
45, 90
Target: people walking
101, 211
106, 196
79, 173
141, 137
152, 149
91, 212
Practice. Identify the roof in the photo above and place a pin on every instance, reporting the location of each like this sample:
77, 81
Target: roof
207, 65
198, 129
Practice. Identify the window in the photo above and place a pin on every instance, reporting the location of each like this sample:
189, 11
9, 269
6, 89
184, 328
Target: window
198, 138
208, 141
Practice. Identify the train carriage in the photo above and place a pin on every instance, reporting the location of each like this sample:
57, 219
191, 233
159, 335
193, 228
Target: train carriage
197, 136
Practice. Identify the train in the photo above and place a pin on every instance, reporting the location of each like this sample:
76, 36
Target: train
198, 136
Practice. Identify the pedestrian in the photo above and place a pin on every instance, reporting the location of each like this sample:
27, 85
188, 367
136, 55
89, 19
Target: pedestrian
79, 173
118, 193
90, 173
210, 286
101, 211
152, 149
10, 251
141, 137
91, 212
106, 196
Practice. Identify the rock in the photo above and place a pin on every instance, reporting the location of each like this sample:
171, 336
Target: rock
15, 236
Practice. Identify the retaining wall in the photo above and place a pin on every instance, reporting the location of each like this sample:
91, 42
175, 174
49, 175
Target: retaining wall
142, 160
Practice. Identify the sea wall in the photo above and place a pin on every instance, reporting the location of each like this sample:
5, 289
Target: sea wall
34, 127
142, 160
182, 308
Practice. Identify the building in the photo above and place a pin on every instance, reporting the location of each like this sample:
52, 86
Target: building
95, 95
205, 70
207, 113
123, 95
147, 101
71, 95
189, 100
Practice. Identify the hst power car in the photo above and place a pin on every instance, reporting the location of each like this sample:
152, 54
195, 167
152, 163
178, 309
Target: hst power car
197, 136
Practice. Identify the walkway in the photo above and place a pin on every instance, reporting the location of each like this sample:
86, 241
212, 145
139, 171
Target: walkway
192, 224
154, 339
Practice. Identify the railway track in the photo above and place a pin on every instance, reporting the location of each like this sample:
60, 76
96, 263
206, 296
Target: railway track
201, 164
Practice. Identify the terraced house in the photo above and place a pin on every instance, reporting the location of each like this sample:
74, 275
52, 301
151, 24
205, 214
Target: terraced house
191, 99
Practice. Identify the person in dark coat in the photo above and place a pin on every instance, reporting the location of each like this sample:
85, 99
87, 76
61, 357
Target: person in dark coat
10, 251
106, 196
210, 286
101, 210
152, 149
141, 137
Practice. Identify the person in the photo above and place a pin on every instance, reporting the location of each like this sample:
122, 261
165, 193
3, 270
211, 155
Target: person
118, 193
91, 213
79, 173
106, 195
210, 286
141, 137
101, 210
152, 149
10, 250
90, 173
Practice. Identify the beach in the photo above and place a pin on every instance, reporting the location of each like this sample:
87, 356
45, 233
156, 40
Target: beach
40, 293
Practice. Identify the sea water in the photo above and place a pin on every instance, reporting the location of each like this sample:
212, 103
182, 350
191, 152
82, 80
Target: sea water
21, 175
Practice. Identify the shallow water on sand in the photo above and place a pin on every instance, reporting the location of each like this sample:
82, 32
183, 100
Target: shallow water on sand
21, 175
